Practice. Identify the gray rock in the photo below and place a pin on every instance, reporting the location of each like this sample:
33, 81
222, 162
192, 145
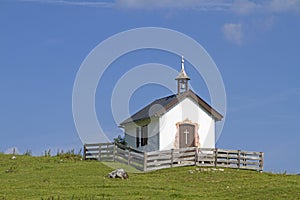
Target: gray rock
118, 173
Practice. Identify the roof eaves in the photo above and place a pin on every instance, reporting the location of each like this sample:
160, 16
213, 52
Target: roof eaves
205, 105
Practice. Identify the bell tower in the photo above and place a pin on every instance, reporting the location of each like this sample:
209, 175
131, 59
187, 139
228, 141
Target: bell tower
182, 79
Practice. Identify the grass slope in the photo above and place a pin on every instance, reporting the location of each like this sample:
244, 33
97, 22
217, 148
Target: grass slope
50, 178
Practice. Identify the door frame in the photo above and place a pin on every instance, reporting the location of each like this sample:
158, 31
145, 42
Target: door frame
196, 136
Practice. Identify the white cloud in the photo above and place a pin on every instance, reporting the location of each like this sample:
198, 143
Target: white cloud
272, 6
261, 12
237, 6
244, 7
240, 7
204, 5
233, 32
100, 4
284, 6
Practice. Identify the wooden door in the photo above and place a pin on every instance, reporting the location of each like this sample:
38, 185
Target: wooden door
186, 135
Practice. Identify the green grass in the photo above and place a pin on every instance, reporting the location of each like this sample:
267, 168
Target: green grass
50, 178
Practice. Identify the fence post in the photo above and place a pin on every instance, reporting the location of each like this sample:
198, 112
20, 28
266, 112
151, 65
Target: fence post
107, 149
196, 156
128, 161
239, 159
172, 157
99, 153
114, 152
261, 161
145, 161
84, 152
216, 156
227, 158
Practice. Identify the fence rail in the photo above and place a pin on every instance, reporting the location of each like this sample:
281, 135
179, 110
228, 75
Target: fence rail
147, 161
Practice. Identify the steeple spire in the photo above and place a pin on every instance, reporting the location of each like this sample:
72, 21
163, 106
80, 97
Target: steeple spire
182, 63
182, 78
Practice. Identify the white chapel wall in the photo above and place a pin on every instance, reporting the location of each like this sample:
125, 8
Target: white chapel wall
187, 109
153, 136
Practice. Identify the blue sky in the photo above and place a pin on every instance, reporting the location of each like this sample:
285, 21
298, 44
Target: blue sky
255, 45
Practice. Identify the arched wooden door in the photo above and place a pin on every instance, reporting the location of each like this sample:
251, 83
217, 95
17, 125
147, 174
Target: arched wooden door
186, 135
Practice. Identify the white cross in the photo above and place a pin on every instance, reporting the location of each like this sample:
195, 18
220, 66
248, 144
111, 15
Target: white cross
186, 135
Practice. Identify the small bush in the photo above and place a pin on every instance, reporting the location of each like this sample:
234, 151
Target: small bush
69, 155
28, 153
47, 153
120, 140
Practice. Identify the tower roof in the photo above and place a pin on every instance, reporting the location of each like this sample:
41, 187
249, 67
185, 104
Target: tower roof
182, 74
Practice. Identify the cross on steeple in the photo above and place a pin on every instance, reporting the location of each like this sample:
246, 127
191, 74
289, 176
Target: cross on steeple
182, 79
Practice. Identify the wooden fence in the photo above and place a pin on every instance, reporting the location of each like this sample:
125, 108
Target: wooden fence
114, 152
146, 161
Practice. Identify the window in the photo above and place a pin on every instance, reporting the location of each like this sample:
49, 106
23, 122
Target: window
144, 135
137, 137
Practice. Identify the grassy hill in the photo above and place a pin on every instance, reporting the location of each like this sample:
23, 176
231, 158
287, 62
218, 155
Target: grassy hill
58, 178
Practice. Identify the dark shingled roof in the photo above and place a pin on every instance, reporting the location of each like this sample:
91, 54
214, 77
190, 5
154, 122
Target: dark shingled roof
166, 103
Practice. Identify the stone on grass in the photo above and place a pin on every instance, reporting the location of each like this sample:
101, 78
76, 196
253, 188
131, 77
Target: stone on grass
118, 173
